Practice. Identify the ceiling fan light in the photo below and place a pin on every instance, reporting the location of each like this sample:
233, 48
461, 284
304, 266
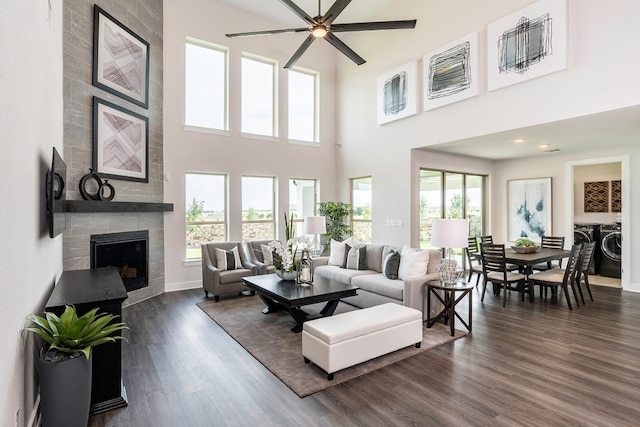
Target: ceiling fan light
319, 31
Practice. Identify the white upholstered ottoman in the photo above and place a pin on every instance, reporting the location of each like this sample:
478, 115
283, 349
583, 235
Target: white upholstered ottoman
338, 342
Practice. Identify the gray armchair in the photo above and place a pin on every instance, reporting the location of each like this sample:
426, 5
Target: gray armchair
254, 253
224, 282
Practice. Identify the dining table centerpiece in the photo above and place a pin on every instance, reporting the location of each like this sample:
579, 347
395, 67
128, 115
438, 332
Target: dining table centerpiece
525, 246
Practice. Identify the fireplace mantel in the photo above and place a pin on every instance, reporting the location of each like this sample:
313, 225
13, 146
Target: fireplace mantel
83, 206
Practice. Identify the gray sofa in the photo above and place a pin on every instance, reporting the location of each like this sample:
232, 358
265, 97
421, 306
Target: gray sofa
375, 287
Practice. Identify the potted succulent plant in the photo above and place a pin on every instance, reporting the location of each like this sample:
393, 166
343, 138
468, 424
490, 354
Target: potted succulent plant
64, 367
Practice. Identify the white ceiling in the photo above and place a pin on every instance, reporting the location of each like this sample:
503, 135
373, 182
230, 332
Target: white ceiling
356, 11
615, 128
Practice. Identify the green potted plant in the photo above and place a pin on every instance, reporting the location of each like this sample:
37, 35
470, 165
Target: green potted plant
65, 364
335, 213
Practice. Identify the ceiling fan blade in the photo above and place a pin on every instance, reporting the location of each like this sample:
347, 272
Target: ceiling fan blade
338, 44
301, 13
334, 11
367, 26
303, 47
262, 33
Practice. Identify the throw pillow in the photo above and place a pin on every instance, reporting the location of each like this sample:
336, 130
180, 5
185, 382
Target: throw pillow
391, 265
355, 258
413, 262
228, 260
336, 256
267, 255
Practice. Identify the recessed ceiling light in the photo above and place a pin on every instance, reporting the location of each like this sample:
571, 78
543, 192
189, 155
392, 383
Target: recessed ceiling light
544, 146
519, 141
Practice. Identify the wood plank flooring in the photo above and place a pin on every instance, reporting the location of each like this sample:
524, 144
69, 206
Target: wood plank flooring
526, 364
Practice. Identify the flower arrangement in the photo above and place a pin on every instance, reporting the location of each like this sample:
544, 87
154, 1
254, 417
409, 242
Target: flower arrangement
284, 256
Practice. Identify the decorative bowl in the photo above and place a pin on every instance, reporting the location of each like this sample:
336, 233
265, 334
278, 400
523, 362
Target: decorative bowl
525, 249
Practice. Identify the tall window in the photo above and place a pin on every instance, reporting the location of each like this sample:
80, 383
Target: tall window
450, 195
302, 201
206, 210
258, 96
361, 198
258, 207
303, 104
205, 102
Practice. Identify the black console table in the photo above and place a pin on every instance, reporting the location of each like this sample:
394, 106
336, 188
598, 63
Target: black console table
86, 290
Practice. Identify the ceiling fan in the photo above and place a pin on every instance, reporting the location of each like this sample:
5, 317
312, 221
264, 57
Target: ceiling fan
322, 27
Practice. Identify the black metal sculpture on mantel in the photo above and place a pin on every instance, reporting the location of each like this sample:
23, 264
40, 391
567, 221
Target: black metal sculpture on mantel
103, 190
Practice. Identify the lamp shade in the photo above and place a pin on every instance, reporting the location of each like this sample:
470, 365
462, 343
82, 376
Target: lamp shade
315, 225
449, 233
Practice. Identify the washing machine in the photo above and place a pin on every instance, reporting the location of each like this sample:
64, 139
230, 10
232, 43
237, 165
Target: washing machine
587, 233
611, 250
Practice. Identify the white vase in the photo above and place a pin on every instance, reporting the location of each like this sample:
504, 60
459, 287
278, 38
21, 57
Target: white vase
286, 275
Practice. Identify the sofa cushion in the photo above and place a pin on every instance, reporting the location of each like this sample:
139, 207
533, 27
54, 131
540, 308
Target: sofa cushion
267, 255
390, 265
336, 256
413, 262
341, 275
379, 284
228, 260
355, 258
374, 257
233, 276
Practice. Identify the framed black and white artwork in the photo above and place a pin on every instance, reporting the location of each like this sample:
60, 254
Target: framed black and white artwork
450, 73
120, 59
397, 93
527, 44
120, 142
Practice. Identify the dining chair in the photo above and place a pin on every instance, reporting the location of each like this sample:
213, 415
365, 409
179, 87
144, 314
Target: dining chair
588, 253
474, 259
551, 242
561, 278
486, 240
495, 271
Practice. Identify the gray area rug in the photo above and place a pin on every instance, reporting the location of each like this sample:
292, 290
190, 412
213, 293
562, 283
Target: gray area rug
269, 339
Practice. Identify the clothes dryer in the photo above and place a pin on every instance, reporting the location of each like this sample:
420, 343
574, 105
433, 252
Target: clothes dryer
611, 250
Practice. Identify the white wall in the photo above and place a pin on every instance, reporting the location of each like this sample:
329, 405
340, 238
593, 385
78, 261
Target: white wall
599, 39
30, 125
593, 173
187, 151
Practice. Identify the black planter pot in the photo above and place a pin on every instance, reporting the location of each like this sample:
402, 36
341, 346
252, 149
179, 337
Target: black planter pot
65, 392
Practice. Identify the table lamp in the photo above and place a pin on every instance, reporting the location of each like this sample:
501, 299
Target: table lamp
315, 225
448, 234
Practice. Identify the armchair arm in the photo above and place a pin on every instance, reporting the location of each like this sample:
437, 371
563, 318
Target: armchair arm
415, 292
210, 274
253, 266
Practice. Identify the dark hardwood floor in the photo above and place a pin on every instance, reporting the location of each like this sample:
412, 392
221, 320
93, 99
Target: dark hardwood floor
527, 364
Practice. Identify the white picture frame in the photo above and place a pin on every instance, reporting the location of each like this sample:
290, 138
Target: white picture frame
450, 73
527, 44
397, 93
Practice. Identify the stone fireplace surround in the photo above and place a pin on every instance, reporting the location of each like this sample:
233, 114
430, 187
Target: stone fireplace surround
145, 18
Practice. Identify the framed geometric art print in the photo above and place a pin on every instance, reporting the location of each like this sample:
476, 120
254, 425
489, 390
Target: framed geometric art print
120, 142
120, 59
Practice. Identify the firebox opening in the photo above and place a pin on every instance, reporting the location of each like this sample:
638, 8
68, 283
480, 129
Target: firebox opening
127, 251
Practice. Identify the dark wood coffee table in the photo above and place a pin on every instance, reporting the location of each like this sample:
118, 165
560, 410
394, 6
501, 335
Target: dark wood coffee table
280, 294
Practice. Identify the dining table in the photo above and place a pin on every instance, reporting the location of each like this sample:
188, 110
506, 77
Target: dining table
527, 260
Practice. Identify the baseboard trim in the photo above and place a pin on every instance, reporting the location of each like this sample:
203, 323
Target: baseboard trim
173, 287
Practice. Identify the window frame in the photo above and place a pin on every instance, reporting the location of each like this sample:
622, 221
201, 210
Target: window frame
316, 105
275, 101
225, 51
361, 221
298, 220
273, 207
224, 222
